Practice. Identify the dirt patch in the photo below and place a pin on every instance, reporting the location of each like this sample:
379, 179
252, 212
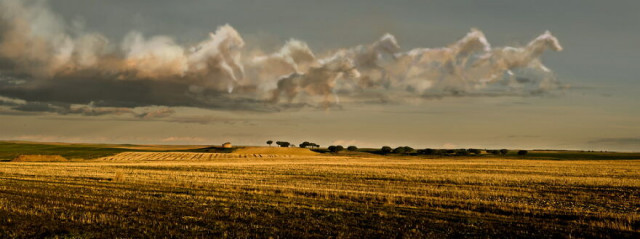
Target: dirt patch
39, 158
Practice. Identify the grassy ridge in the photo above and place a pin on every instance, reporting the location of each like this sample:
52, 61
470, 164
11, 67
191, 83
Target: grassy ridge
10, 150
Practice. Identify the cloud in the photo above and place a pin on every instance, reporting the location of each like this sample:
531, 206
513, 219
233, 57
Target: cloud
347, 142
449, 146
618, 141
174, 139
49, 65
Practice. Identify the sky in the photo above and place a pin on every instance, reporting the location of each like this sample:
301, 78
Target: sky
149, 72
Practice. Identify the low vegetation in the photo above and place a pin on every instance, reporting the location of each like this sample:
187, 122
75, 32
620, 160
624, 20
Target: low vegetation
12, 150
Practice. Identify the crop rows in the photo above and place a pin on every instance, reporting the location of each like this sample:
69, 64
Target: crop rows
171, 156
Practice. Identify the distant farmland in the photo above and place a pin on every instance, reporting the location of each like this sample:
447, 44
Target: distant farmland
319, 196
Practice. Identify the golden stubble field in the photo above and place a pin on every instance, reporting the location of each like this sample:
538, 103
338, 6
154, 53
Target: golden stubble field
319, 196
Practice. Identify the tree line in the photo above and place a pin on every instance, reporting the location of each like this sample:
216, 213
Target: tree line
403, 150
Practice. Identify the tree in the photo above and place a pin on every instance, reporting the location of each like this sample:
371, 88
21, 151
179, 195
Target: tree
494, 152
398, 150
504, 151
352, 148
404, 150
409, 150
269, 142
462, 152
385, 149
307, 144
428, 151
475, 151
283, 144
523, 152
335, 149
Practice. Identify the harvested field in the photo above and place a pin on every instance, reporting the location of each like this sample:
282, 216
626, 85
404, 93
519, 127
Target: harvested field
275, 150
320, 197
184, 156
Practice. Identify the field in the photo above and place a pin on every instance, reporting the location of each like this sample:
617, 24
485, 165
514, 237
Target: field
255, 194
12, 149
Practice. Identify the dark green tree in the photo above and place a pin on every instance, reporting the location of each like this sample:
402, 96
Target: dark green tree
462, 152
386, 149
494, 152
475, 151
398, 150
409, 150
283, 144
305, 144
335, 149
428, 151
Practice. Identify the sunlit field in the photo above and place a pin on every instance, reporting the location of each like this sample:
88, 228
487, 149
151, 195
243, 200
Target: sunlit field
251, 195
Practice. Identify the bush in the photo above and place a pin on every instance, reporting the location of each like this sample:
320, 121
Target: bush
352, 148
504, 151
523, 152
386, 149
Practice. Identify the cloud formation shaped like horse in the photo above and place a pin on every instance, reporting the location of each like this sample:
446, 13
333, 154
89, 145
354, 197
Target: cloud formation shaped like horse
49, 65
